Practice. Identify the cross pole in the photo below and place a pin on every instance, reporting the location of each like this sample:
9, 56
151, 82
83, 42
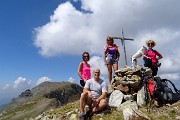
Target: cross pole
123, 43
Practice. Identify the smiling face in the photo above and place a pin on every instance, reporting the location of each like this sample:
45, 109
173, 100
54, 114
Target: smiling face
96, 73
150, 44
85, 56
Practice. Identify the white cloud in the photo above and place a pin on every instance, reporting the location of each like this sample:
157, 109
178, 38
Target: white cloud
42, 79
72, 80
6, 86
21, 83
174, 76
72, 31
9, 91
57, 36
98, 62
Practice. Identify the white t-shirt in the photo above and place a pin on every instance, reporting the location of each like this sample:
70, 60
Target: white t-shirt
95, 87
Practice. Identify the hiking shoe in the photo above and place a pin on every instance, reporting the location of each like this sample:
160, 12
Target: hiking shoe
89, 113
82, 116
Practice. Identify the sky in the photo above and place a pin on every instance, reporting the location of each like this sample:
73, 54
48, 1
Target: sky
43, 40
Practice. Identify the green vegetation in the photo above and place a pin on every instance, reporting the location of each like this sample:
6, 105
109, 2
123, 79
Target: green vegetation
172, 113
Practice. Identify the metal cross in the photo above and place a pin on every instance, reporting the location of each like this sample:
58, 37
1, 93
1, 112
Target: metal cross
123, 43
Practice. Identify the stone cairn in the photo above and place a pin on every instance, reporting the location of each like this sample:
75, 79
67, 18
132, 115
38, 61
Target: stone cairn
127, 91
129, 80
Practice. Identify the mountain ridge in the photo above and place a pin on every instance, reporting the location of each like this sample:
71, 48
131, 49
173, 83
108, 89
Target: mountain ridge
43, 97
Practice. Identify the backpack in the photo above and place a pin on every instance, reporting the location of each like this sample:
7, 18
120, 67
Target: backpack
164, 93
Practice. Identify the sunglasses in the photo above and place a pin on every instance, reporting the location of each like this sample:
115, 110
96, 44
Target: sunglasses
150, 43
97, 72
85, 56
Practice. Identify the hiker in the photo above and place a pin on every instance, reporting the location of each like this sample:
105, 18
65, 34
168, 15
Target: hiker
84, 71
151, 57
94, 94
111, 56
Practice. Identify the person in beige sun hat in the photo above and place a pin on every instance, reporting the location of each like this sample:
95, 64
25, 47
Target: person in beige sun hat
152, 57
150, 41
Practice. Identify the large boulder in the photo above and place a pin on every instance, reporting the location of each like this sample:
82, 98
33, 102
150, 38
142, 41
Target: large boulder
131, 112
116, 98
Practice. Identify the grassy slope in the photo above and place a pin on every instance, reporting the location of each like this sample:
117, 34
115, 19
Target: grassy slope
162, 113
30, 109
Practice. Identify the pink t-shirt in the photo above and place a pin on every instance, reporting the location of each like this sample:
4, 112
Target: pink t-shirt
85, 72
109, 46
152, 54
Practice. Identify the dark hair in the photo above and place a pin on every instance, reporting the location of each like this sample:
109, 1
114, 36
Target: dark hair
87, 54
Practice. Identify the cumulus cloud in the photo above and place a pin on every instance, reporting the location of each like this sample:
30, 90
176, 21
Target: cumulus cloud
72, 80
98, 62
173, 76
21, 83
86, 30
42, 79
57, 36
9, 91
6, 86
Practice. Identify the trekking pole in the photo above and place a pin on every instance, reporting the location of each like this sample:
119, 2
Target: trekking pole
146, 93
145, 84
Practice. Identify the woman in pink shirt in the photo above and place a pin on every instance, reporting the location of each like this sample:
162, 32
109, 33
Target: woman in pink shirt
153, 56
84, 71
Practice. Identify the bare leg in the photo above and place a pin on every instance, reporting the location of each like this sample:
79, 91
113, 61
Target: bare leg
100, 106
109, 67
115, 66
83, 101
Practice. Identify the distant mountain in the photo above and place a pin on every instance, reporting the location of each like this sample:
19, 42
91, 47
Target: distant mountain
43, 97
2, 106
4, 102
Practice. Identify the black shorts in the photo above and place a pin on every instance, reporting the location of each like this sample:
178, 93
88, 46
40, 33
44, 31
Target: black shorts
82, 83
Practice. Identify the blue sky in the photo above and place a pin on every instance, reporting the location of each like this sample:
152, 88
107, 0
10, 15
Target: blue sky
42, 40
19, 55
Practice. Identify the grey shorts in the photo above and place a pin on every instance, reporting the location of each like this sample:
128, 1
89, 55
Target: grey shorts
89, 101
110, 60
